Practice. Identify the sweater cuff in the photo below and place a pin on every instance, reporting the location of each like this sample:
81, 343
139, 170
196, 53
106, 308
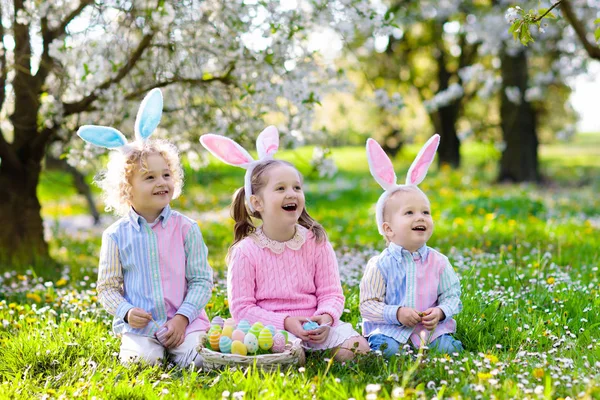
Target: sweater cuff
390, 314
447, 312
331, 312
123, 309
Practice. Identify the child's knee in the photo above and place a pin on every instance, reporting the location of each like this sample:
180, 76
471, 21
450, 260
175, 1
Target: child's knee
151, 357
446, 344
387, 345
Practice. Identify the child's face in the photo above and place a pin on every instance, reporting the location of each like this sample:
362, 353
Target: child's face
152, 189
281, 200
408, 221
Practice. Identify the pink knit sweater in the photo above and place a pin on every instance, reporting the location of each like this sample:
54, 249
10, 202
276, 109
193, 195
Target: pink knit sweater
303, 280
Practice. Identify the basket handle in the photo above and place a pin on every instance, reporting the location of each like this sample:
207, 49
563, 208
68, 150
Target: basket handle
202, 339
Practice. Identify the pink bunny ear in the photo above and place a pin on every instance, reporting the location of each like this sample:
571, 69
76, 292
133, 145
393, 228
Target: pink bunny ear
380, 165
226, 150
419, 167
267, 142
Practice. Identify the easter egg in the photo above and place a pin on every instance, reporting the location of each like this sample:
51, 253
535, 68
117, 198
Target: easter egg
213, 339
225, 344
237, 347
285, 334
227, 331
278, 343
238, 335
310, 326
229, 322
254, 331
272, 329
251, 343
258, 325
214, 328
244, 326
217, 320
265, 339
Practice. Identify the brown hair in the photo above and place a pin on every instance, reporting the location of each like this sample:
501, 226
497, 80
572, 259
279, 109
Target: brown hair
243, 217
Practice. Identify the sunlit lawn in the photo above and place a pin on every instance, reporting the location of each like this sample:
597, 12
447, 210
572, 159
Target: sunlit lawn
527, 256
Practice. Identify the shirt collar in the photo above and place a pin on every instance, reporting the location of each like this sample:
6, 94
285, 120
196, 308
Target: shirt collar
399, 252
135, 219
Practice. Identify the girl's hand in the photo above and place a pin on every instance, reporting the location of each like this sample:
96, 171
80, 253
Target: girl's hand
176, 331
432, 316
408, 316
294, 326
138, 318
320, 334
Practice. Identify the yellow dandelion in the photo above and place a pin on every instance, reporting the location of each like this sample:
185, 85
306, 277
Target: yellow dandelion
469, 209
21, 277
30, 320
510, 247
459, 221
493, 359
226, 303
484, 376
490, 216
12, 305
538, 373
210, 305
511, 224
61, 282
33, 296
550, 280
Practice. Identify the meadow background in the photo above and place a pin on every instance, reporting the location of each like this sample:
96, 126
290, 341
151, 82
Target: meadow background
527, 257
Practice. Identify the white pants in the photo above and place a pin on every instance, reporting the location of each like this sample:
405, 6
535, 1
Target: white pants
137, 347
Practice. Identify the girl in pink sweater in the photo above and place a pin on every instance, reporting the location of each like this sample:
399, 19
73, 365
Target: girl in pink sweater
284, 272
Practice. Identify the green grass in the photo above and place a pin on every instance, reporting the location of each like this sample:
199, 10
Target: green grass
527, 257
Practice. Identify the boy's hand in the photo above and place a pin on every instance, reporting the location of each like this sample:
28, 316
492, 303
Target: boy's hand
320, 334
432, 316
408, 316
138, 318
294, 326
176, 331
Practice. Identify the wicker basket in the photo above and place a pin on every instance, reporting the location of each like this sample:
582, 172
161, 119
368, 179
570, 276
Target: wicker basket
293, 355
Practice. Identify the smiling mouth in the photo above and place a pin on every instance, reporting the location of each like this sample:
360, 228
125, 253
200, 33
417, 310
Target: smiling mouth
162, 192
419, 228
290, 207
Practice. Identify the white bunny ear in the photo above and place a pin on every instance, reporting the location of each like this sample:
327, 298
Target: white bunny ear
149, 114
267, 142
380, 165
226, 150
419, 167
102, 136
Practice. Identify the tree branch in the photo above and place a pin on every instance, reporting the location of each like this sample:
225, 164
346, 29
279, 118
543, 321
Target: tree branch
592, 49
83, 104
547, 11
48, 36
225, 78
3, 68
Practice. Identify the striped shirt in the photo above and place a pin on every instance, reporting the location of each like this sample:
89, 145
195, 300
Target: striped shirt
420, 280
160, 267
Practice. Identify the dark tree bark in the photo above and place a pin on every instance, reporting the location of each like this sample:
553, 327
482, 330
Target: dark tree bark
519, 161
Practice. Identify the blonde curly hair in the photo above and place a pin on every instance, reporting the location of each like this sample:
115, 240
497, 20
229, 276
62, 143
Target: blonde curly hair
115, 181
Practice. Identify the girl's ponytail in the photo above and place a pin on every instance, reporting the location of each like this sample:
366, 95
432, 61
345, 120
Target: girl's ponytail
243, 222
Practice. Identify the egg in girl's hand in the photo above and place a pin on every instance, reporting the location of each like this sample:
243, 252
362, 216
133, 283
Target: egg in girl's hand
237, 347
278, 343
265, 339
213, 339
217, 320
310, 326
251, 343
244, 326
227, 331
238, 335
225, 344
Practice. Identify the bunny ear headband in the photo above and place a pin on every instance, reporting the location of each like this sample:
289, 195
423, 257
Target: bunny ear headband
146, 121
232, 153
383, 171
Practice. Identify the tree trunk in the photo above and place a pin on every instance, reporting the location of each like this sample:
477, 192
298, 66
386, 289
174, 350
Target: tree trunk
22, 245
519, 161
444, 121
